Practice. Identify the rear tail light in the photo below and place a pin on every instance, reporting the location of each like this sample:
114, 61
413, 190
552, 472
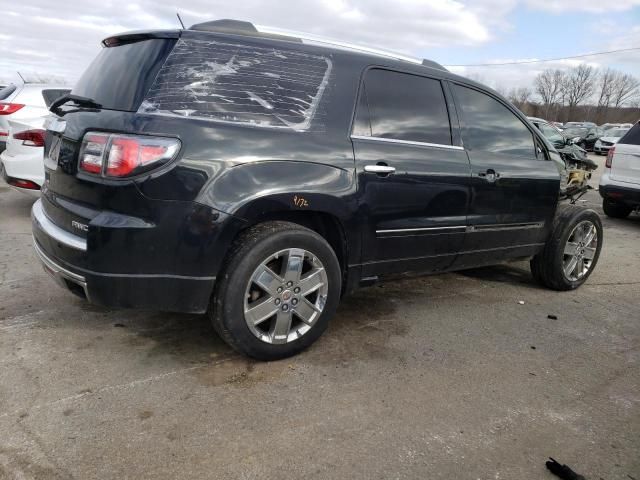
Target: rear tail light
27, 184
607, 164
9, 108
31, 138
113, 155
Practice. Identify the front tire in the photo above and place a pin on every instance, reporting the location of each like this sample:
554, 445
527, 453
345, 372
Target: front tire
277, 291
571, 251
615, 210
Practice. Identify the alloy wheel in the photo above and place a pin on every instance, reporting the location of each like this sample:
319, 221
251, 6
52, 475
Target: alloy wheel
580, 250
285, 296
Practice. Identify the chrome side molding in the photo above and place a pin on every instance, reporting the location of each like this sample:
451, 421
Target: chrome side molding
406, 142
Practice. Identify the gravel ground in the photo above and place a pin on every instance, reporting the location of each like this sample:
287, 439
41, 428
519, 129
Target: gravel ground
444, 377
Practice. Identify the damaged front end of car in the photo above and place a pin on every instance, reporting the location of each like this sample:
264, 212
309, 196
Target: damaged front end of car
575, 171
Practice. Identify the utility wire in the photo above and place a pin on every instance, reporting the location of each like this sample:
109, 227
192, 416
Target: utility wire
547, 59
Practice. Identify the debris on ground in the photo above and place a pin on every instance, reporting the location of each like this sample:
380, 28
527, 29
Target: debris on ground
562, 471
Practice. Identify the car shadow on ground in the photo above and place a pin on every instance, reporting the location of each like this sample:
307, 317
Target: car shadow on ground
516, 274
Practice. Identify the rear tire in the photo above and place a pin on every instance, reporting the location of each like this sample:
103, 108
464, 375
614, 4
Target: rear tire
260, 306
571, 251
615, 210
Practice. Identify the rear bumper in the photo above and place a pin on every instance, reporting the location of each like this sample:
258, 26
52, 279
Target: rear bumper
625, 194
175, 293
24, 167
13, 178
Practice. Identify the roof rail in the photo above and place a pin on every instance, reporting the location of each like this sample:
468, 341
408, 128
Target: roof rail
240, 27
323, 41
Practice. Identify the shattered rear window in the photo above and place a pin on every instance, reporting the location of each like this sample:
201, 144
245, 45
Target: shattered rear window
239, 83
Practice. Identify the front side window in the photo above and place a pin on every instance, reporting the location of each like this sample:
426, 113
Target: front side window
402, 106
490, 126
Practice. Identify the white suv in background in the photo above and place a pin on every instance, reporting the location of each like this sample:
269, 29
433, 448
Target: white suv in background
620, 182
23, 109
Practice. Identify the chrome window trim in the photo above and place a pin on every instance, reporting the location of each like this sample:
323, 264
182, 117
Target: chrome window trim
54, 231
406, 142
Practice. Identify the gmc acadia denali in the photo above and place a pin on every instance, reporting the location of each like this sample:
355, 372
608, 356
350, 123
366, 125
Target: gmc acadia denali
259, 176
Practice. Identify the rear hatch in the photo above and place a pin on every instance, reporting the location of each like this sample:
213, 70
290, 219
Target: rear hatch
117, 80
625, 165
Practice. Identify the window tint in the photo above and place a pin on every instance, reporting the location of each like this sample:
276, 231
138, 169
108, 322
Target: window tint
6, 91
52, 94
492, 127
362, 126
404, 107
632, 137
119, 76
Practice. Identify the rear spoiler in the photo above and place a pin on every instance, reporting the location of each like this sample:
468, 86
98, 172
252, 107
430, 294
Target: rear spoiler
138, 36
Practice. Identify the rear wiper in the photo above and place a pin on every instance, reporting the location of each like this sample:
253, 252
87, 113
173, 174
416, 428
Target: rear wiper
76, 99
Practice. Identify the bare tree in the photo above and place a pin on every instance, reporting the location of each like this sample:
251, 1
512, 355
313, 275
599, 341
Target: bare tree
549, 85
578, 86
520, 97
624, 88
606, 83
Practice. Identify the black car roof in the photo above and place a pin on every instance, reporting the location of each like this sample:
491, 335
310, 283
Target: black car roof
238, 28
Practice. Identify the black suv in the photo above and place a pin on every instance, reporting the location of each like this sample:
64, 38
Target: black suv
259, 177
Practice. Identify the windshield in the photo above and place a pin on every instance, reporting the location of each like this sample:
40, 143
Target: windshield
552, 134
120, 76
576, 131
616, 132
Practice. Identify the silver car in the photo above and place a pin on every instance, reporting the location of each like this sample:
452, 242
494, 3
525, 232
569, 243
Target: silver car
610, 138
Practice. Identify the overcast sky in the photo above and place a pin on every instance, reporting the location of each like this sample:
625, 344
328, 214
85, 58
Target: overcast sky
61, 38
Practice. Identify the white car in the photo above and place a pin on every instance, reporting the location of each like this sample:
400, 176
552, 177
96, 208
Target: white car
620, 182
23, 109
610, 138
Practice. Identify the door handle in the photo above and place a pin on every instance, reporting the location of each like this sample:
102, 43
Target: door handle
490, 175
380, 169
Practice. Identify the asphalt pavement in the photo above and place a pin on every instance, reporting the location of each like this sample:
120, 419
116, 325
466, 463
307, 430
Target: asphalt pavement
442, 377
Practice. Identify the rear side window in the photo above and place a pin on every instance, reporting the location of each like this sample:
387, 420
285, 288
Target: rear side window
403, 107
7, 91
52, 94
239, 83
490, 126
632, 137
119, 76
